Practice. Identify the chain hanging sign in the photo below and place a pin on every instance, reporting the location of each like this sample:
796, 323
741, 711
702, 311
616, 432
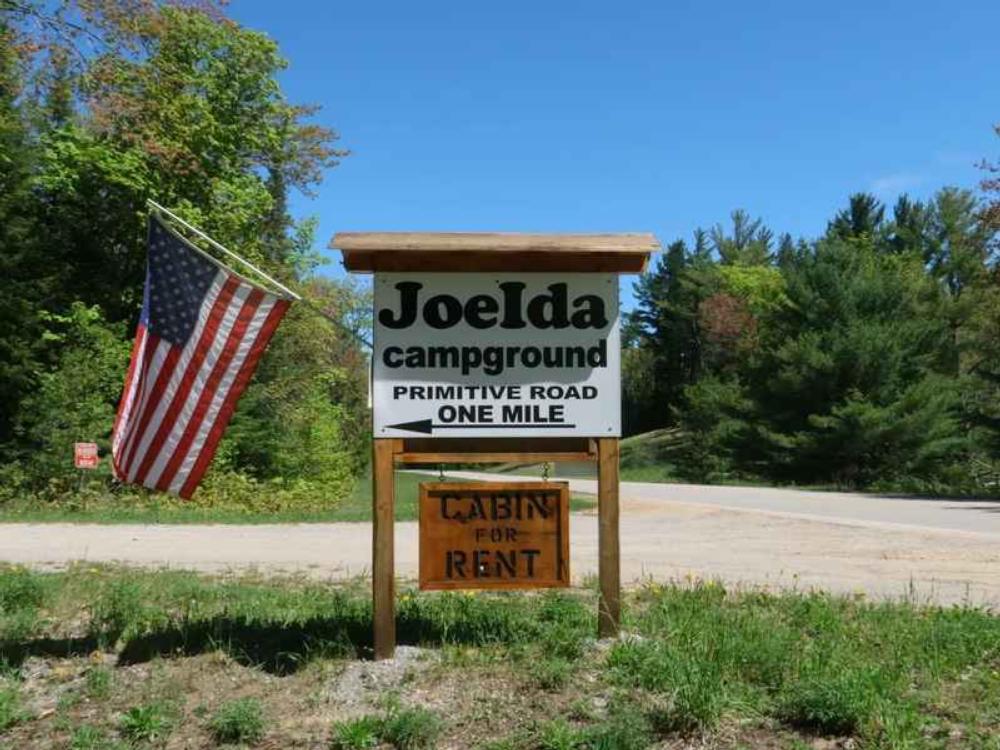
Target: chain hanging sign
496, 355
482, 535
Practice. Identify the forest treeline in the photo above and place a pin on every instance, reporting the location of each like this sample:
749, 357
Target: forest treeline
866, 358
869, 357
103, 105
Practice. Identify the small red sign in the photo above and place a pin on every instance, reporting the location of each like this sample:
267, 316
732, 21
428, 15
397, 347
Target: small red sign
85, 455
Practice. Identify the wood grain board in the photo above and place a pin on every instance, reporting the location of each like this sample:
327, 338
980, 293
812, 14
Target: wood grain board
494, 535
366, 252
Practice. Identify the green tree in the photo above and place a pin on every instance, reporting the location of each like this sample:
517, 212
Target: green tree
864, 217
990, 186
75, 400
852, 386
138, 99
305, 413
19, 329
665, 337
748, 243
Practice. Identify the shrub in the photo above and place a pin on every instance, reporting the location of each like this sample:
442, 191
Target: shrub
239, 720
237, 491
75, 400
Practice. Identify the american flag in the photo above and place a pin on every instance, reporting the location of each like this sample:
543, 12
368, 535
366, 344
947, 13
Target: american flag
201, 332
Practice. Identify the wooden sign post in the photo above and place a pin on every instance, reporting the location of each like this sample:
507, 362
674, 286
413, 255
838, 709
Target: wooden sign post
494, 348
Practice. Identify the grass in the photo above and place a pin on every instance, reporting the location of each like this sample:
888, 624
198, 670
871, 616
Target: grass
89, 737
238, 721
98, 683
356, 734
410, 728
11, 711
405, 728
160, 509
515, 671
146, 723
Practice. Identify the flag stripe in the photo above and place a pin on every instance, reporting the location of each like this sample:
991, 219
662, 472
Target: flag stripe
161, 367
229, 405
207, 393
131, 386
148, 368
154, 401
179, 393
212, 345
220, 393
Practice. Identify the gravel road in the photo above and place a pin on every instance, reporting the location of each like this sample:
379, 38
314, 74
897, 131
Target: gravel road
933, 550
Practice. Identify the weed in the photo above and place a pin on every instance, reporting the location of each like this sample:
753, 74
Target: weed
22, 593
356, 734
11, 712
834, 695
558, 735
508, 743
691, 682
411, 728
90, 737
120, 606
626, 728
20, 589
145, 723
97, 683
239, 720
551, 674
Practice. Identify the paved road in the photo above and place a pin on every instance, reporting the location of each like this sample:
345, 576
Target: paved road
977, 516
932, 550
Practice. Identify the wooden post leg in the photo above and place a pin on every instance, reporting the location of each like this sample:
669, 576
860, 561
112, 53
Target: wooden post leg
609, 565
383, 573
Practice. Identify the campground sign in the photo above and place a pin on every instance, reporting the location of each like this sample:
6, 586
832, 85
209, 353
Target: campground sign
494, 348
496, 355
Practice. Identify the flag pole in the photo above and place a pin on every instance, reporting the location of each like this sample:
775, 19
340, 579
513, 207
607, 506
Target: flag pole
223, 248
294, 295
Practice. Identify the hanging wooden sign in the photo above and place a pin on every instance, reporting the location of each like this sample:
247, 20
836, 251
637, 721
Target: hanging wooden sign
509, 535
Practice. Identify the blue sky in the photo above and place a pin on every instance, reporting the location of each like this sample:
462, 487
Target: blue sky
634, 116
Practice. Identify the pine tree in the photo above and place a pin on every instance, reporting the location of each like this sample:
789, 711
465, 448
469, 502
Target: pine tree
864, 217
853, 389
18, 264
748, 244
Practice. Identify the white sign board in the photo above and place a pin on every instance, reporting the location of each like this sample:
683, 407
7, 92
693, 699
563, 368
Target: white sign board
496, 355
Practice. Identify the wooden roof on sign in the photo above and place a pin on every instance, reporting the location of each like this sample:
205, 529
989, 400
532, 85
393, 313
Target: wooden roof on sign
482, 251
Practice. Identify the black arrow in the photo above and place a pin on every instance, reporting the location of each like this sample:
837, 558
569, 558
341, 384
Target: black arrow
427, 427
